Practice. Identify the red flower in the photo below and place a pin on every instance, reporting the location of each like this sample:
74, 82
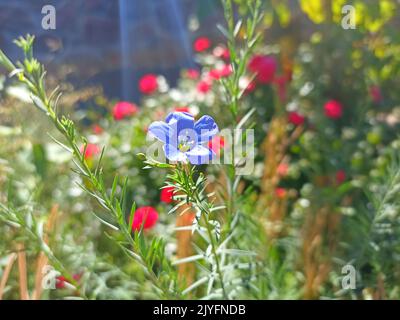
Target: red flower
376, 94
333, 109
280, 193
264, 67
221, 52
340, 176
167, 194
91, 150
192, 74
97, 129
216, 144
251, 86
61, 280
201, 44
214, 74
296, 118
148, 84
203, 86
283, 169
225, 71
146, 216
182, 109
124, 109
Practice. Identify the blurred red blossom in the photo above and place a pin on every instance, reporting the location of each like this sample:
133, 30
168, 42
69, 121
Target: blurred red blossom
283, 169
61, 280
280, 193
214, 74
203, 86
182, 109
264, 67
124, 109
201, 44
340, 176
251, 86
91, 150
375, 93
221, 52
192, 74
296, 118
216, 144
333, 109
148, 84
223, 72
167, 194
97, 129
146, 216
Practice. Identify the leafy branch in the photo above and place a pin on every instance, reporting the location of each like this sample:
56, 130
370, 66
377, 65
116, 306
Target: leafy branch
151, 256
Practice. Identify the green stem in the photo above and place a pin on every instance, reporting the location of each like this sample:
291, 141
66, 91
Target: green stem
97, 185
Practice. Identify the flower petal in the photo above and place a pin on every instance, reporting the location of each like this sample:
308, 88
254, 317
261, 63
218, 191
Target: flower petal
205, 128
200, 155
173, 154
179, 121
160, 130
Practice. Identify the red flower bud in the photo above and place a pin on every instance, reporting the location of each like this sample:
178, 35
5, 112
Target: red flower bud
167, 194
333, 109
296, 118
148, 84
146, 216
201, 44
124, 109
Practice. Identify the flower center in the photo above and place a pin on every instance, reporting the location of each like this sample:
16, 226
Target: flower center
185, 142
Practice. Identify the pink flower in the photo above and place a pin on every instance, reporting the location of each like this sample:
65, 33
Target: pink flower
167, 194
192, 74
264, 67
283, 169
375, 93
251, 86
201, 44
124, 109
280, 193
340, 176
214, 74
225, 71
203, 86
182, 109
221, 52
61, 280
296, 118
91, 150
333, 109
148, 84
146, 216
97, 129
216, 144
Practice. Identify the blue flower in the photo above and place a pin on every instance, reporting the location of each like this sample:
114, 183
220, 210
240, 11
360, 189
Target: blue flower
184, 139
